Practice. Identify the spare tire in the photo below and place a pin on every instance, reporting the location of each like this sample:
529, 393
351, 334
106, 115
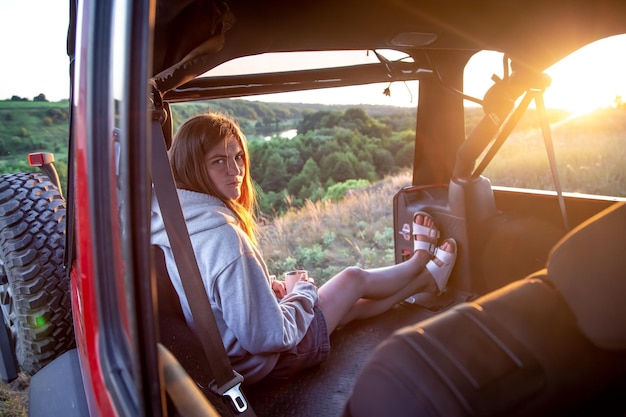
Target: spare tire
34, 286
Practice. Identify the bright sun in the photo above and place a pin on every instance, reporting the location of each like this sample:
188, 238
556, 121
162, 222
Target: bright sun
590, 78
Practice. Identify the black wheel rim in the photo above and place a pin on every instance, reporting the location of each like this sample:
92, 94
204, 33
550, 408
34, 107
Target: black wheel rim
6, 302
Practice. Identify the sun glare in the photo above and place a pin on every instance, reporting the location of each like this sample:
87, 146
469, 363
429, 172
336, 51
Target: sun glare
588, 79
592, 77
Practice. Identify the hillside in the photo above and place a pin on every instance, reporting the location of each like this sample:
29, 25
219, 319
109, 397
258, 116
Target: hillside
32, 127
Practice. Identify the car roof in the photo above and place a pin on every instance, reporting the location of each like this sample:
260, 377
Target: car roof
193, 36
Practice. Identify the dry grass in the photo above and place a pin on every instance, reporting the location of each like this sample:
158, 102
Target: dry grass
589, 151
14, 397
325, 237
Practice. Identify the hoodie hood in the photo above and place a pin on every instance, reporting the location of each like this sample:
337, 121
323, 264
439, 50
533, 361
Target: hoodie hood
195, 205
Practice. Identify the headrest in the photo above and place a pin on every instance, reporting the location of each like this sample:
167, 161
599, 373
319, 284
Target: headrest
588, 266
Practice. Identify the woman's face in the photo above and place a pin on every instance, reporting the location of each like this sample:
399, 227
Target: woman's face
225, 165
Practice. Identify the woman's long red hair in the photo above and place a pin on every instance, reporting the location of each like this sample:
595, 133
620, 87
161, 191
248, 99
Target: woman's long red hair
193, 140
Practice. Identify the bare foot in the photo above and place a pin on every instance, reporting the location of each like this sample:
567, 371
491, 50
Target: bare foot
440, 267
447, 247
425, 235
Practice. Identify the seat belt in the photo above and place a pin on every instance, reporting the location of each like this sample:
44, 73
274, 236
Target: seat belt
547, 139
513, 118
227, 382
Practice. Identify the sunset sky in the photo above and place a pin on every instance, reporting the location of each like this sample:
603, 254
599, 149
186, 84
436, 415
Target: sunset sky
34, 61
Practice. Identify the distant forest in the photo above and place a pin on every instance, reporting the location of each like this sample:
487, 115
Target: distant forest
336, 148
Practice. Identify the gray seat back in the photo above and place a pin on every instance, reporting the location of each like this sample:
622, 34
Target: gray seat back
588, 267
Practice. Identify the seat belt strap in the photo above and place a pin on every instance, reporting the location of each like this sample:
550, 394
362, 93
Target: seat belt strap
547, 138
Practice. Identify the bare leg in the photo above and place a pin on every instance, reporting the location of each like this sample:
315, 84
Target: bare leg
356, 293
365, 308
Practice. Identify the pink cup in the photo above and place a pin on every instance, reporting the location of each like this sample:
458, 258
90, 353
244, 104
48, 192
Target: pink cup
292, 277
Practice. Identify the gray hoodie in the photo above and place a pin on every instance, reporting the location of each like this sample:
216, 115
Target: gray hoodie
255, 327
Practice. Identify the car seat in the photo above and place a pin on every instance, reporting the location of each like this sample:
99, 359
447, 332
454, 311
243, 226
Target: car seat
553, 343
179, 338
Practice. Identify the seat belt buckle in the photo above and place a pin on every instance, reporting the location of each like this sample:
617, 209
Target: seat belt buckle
232, 389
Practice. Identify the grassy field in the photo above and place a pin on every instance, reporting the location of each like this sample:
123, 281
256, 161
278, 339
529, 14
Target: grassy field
325, 237
26, 127
589, 150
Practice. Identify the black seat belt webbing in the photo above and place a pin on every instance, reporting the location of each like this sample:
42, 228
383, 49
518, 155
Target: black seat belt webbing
547, 138
227, 381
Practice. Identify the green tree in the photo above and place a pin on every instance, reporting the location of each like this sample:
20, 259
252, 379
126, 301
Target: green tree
310, 175
273, 203
326, 147
275, 176
339, 166
313, 191
318, 120
291, 155
357, 119
404, 157
365, 170
383, 161
338, 191
306, 145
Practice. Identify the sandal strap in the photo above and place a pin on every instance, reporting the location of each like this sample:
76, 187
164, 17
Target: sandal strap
444, 257
430, 247
442, 273
438, 274
430, 232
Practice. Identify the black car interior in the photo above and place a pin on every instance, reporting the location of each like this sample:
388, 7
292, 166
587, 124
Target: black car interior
533, 320
484, 357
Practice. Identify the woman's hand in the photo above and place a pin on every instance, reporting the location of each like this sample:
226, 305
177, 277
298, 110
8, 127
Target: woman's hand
279, 288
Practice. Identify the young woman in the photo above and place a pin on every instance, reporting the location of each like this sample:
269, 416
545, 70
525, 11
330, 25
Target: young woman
263, 335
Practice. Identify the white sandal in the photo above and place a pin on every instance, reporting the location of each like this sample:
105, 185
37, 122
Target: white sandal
429, 232
442, 273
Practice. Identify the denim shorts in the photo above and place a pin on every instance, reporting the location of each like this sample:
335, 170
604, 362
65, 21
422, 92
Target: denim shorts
312, 350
